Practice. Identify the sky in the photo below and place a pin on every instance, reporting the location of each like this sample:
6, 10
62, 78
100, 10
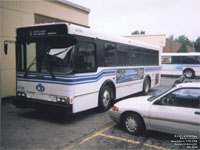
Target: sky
122, 17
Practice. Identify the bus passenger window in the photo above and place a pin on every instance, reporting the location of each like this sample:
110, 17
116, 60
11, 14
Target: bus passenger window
86, 57
109, 54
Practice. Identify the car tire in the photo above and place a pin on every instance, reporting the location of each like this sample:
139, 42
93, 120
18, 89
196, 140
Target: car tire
133, 124
146, 86
189, 73
105, 98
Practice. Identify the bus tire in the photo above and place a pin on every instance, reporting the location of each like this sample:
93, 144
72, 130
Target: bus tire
105, 98
189, 73
146, 86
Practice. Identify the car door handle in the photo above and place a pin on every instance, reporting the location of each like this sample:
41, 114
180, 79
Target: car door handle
197, 113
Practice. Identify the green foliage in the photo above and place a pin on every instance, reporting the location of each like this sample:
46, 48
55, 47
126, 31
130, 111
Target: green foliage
197, 45
171, 37
142, 32
184, 40
137, 32
182, 49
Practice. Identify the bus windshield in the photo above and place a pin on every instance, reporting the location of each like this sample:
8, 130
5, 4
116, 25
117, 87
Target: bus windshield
52, 56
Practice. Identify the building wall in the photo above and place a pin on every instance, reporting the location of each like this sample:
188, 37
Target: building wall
15, 13
167, 45
173, 47
158, 40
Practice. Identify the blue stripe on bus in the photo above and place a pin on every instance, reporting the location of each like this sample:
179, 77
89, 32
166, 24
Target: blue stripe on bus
65, 80
69, 80
63, 76
152, 69
72, 80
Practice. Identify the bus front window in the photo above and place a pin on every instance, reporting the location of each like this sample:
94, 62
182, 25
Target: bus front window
58, 60
52, 56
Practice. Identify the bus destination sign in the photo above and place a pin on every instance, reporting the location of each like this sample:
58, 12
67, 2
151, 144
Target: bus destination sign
41, 33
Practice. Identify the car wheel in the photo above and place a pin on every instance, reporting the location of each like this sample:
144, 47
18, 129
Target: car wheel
105, 98
133, 124
146, 86
189, 73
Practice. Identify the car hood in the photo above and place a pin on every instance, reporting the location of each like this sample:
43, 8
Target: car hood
134, 104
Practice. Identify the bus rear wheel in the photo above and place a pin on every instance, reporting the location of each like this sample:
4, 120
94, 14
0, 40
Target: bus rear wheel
105, 98
146, 86
189, 73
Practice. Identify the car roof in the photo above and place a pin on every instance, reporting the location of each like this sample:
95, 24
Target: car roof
189, 84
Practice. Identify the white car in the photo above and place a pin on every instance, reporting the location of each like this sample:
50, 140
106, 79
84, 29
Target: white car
175, 111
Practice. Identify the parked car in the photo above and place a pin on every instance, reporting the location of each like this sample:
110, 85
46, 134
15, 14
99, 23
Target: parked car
175, 111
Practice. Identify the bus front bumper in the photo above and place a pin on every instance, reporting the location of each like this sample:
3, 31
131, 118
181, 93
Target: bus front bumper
23, 102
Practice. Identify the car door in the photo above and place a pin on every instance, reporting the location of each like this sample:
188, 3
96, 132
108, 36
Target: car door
177, 112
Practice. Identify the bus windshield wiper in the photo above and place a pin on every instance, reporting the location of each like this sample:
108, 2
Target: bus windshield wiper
33, 63
51, 73
27, 70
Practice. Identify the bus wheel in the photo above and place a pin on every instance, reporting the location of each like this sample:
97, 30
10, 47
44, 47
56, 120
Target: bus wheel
189, 73
105, 98
146, 86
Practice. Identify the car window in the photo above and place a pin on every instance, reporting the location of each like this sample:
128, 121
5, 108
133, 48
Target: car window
186, 97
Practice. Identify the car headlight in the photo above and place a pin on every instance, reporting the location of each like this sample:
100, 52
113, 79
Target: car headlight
115, 108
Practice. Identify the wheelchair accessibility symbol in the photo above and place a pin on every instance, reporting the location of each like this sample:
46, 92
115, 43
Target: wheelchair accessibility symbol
40, 88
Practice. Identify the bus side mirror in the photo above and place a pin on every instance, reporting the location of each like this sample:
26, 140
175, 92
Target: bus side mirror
5, 48
6, 45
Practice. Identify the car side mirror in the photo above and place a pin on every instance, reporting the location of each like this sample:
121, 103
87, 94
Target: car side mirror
6, 48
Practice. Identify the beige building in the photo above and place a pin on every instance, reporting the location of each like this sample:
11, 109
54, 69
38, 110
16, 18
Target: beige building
17, 13
160, 40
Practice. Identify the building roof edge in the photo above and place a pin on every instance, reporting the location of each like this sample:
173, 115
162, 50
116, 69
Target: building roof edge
66, 2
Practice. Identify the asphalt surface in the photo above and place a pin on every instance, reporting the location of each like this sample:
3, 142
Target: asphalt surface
40, 130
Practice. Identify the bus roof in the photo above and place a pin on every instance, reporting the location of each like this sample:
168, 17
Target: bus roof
181, 54
83, 31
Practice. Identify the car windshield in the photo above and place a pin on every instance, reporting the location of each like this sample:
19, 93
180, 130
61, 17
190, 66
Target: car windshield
157, 94
52, 56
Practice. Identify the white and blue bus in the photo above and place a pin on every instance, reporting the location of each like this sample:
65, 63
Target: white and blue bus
179, 63
68, 66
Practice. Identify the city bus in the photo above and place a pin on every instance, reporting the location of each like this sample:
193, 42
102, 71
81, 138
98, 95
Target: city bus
73, 68
179, 63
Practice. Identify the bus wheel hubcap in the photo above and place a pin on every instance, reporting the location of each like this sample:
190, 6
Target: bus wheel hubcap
189, 74
147, 87
106, 98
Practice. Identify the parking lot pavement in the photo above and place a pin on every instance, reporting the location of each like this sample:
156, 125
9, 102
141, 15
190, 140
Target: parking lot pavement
31, 129
113, 137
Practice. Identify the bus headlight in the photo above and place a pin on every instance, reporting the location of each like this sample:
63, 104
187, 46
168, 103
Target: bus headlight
65, 100
21, 94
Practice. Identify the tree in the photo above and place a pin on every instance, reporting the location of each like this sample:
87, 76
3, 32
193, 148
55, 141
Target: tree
197, 45
142, 32
137, 32
184, 40
182, 49
171, 37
